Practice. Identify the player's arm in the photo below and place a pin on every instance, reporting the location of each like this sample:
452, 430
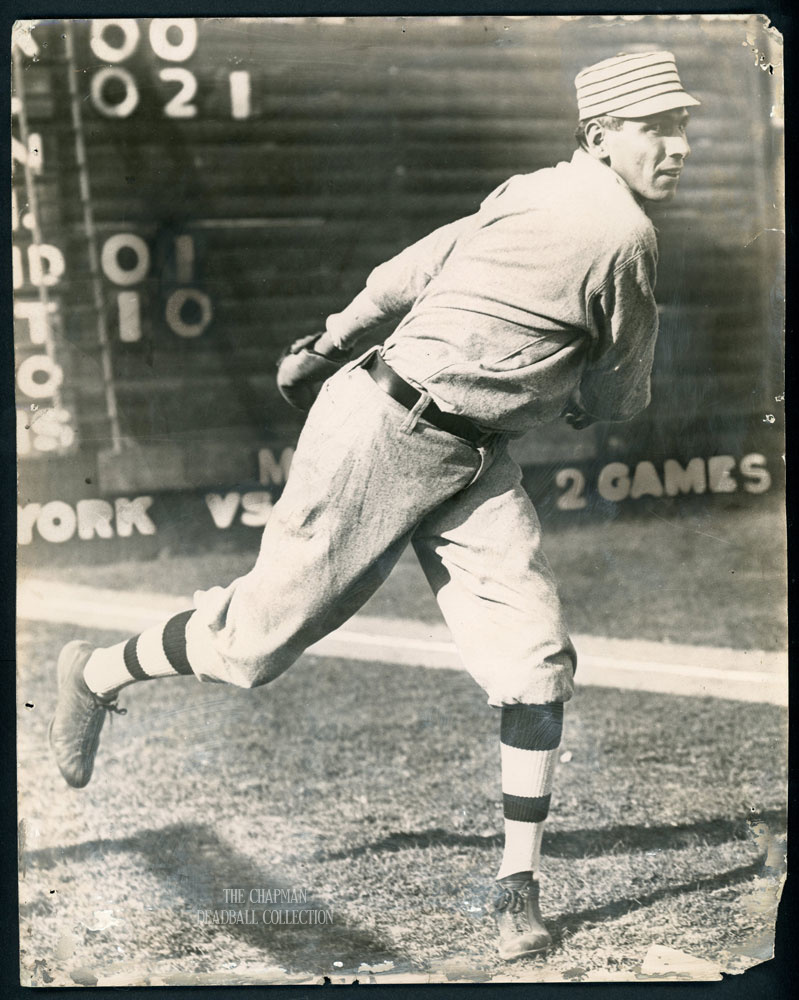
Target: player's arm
623, 316
390, 292
393, 287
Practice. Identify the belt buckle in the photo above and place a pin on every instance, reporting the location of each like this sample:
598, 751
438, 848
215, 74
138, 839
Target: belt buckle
368, 359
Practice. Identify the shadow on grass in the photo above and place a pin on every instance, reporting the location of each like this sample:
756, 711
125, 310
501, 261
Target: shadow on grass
572, 922
621, 839
196, 867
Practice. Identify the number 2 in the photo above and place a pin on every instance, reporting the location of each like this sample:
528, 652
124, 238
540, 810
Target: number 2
179, 106
573, 481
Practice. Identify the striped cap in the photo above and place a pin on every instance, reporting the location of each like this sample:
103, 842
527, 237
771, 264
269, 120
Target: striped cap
631, 86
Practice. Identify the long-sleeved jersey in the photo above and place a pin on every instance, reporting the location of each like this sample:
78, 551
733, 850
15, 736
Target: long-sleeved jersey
541, 298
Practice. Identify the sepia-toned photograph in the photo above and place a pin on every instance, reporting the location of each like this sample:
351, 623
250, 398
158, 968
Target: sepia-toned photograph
401, 534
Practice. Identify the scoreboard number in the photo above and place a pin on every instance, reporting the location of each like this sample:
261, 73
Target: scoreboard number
105, 50
179, 106
129, 102
162, 32
188, 311
113, 40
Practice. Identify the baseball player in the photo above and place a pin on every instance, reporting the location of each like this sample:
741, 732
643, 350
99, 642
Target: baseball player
539, 306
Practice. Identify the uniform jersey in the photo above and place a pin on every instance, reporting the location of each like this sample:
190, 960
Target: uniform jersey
542, 297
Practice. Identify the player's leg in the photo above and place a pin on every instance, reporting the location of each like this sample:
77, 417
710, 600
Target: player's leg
481, 552
363, 476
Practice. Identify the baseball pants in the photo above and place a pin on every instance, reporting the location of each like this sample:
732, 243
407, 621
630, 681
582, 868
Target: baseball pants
368, 478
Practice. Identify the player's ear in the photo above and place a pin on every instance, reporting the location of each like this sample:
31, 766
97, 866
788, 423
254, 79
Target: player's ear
595, 134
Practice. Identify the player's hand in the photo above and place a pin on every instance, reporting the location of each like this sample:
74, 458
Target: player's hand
577, 418
302, 370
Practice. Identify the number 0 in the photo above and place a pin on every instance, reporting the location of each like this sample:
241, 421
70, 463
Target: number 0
164, 47
106, 52
128, 103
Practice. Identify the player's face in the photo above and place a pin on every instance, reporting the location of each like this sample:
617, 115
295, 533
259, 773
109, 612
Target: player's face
649, 153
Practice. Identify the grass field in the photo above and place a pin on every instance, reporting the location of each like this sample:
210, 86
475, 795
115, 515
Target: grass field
374, 790
697, 574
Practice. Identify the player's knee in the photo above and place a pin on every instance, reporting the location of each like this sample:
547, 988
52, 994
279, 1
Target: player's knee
253, 673
226, 662
248, 681
247, 675
545, 684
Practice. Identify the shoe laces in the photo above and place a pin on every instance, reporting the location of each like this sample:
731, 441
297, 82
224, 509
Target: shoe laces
112, 707
512, 899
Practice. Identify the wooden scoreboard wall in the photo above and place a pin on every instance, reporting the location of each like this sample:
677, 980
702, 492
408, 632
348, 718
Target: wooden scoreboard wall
190, 195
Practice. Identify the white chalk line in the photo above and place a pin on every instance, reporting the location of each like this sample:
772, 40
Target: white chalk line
630, 664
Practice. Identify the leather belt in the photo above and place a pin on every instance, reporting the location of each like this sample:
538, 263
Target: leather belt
404, 393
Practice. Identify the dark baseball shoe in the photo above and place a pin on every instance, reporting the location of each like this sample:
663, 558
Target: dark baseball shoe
79, 716
521, 929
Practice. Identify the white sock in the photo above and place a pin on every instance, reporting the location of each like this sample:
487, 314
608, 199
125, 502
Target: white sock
529, 746
105, 671
522, 851
159, 651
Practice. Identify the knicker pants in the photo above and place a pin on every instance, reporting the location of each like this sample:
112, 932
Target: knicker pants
367, 479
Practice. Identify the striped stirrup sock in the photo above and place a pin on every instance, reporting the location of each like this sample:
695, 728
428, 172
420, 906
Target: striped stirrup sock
529, 741
159, 651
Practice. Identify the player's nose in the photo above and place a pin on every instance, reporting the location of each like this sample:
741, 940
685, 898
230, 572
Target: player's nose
677, 147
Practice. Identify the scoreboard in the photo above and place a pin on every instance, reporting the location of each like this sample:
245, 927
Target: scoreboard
191, 194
